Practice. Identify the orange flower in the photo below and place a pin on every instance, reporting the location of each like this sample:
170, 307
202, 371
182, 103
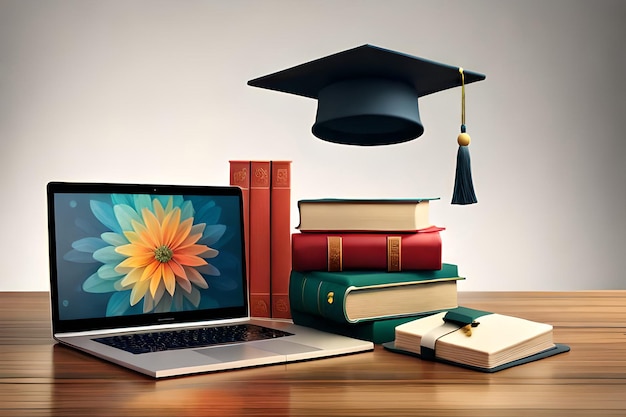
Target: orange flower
162, 255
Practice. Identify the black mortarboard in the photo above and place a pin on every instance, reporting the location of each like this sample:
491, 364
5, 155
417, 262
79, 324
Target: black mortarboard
366, 95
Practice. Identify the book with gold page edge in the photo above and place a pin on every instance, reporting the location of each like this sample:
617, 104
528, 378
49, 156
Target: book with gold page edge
364, 215
475, 339
356, 296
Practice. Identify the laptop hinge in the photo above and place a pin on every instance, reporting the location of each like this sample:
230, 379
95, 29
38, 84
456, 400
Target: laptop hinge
153, 327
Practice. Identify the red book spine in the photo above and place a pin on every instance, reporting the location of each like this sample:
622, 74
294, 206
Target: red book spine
259, 282
366, 251
280, 224
240, 177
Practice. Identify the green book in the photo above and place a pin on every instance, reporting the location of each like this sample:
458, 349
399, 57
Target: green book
357, 296
375, 331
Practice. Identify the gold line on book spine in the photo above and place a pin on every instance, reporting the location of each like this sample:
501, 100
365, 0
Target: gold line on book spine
335, 255
319, 306
394, 253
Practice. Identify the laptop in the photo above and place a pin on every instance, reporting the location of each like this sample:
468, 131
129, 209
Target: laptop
153, 278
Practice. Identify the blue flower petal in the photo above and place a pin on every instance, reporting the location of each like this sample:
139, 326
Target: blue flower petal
178, 200
125, 215
114, 239
108, 255
89, 244
208, 269
187, 210
94, 284
209, 213
193, 297
165, 304
212, 234
79, 257
119, 304
122, 199
104, 213
178, 302
141, 201
88, 226
107, 272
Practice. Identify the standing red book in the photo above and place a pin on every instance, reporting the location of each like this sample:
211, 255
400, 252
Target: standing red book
367, 251
240, 177
259, 266
280, 223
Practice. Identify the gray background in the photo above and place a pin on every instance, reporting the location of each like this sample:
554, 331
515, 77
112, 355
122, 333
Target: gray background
155, 91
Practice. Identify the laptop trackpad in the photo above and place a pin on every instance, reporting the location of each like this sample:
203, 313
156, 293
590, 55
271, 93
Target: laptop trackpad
233, 353
245, 351
284, 347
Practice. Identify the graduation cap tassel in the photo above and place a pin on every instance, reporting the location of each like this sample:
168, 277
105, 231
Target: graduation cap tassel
463, 186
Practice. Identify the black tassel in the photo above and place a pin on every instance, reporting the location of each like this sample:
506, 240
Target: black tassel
463, 185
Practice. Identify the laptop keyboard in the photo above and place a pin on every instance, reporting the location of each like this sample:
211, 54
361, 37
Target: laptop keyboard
190, 338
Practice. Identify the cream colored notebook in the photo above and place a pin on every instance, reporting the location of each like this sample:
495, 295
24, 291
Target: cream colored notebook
493, 341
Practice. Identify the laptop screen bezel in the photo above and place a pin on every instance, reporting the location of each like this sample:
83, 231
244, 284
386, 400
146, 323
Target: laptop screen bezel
148, 319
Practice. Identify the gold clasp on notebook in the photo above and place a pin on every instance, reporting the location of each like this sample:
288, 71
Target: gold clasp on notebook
467, 329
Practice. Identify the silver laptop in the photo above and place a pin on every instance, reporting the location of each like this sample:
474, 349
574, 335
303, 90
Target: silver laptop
153, 278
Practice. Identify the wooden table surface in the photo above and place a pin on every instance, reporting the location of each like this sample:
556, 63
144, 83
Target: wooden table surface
39, 377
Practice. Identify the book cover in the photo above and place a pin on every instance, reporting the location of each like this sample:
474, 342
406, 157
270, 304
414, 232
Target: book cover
363, 215
375, 331
259, 277
367, 251
280, 246
355, 296
476, 339
240, 177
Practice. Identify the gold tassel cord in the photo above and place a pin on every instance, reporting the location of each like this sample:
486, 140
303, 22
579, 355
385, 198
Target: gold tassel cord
464, 138
462, 96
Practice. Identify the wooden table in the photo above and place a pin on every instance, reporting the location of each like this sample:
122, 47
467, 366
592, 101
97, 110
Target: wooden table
39, 377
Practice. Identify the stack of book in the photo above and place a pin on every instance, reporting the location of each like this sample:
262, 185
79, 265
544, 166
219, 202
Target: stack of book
362, 267
370, 269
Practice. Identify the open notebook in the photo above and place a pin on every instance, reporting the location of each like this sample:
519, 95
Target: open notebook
476, 339
153, 278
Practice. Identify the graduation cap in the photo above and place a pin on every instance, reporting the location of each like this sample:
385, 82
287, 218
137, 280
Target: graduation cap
369, 95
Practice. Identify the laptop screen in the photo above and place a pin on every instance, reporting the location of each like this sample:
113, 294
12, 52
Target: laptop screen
128, 255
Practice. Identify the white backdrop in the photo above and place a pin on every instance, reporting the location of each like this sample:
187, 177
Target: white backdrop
155, 91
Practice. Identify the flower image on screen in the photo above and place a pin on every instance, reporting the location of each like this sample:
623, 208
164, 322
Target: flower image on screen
124, 254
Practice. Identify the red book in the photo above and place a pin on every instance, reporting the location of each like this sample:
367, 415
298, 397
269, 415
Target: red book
240, 177
367, 251
259, 267
280, 224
